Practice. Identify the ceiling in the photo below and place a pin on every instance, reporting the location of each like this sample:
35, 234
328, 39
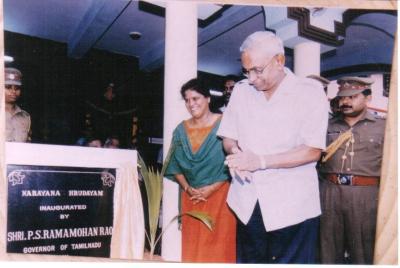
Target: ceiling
367, 37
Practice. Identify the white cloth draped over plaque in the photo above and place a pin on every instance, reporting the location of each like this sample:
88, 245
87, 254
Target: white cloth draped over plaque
127, 241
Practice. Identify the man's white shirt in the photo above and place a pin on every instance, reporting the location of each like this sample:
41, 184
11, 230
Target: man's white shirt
296, 114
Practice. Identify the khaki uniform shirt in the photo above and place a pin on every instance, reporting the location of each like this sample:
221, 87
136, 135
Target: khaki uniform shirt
18, 125
368, 147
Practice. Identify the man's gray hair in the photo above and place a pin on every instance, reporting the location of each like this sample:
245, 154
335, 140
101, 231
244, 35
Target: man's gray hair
268, 41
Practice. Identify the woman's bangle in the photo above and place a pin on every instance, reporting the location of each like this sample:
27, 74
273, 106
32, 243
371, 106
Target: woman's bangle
186, 188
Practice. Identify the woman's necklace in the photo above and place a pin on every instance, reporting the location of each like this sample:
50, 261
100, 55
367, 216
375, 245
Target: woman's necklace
202, 123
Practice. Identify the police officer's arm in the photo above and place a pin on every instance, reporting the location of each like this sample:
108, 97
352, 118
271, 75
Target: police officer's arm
250, 161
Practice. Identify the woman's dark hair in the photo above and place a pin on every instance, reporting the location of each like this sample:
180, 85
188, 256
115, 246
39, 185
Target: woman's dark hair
195, 85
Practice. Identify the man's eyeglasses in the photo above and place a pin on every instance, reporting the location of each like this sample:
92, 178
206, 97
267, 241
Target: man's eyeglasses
256, 70
229, 87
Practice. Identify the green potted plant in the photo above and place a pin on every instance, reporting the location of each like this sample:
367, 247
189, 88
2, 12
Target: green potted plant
153, 181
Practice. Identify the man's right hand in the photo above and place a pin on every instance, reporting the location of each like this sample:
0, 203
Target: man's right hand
244, 161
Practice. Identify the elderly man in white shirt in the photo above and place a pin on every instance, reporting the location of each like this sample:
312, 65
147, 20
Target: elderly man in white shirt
274, 130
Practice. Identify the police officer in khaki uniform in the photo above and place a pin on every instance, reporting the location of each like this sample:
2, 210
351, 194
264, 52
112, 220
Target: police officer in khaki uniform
351, 172
18, 121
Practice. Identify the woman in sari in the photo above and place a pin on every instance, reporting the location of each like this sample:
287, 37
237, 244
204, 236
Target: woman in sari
197, 164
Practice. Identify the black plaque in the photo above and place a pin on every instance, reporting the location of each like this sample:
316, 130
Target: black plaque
60, 210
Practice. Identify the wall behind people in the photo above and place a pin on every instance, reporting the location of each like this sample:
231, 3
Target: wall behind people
94, 73
57, 89
56, 86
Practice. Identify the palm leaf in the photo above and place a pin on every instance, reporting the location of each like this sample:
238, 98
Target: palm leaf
199, 215
203, 217
153, 184
153, 181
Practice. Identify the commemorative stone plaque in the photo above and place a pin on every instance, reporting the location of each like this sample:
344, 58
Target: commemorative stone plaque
60, 210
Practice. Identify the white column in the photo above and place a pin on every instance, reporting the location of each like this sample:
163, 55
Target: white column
180, 66
386, 238
3, 180
307, 58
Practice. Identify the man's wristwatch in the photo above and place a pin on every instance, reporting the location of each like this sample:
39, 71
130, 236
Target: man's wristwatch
262, 162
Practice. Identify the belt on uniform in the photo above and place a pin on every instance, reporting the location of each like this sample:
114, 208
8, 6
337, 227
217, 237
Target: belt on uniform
348, 179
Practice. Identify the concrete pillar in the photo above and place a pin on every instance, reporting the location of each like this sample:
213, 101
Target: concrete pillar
307, 58
3, 180
386, 244
180, 66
